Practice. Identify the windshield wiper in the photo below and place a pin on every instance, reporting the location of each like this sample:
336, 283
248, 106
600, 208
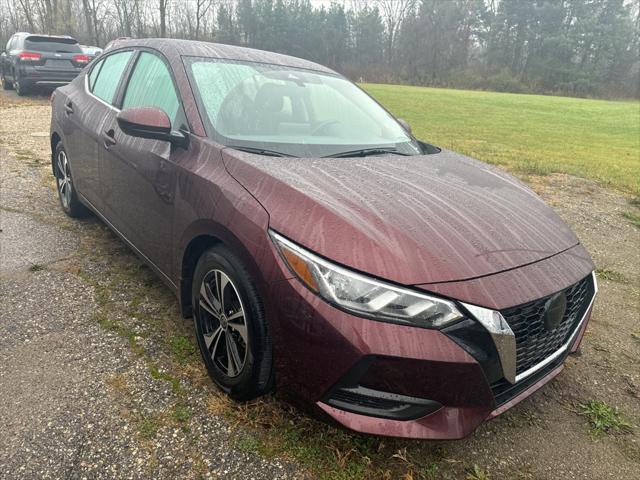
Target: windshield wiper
365, 152
259, 151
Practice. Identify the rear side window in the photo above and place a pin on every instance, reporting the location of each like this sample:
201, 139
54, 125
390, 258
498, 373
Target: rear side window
108, 74
94, 74
52, 45
151, 85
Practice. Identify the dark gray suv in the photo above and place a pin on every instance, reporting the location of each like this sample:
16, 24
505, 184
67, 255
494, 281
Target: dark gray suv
31, 61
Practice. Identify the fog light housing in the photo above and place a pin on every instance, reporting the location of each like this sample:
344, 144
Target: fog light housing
375, 403
350, 396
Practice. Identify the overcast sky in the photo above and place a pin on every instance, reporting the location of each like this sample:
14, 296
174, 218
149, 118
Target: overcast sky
319, 3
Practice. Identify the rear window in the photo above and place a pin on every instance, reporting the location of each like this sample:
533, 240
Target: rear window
54, 45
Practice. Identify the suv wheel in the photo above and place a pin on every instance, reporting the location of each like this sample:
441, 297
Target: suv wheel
230, 325
64, 181
6, 84
21, 89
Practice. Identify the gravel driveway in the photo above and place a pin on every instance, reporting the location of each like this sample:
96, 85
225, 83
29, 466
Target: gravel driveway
85, 388
99, 376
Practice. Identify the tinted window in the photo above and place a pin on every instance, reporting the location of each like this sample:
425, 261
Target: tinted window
48, 44
109, 75
151, 86
94, 74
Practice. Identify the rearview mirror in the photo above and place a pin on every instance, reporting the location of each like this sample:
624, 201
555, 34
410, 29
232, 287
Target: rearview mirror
404, 124
150, 122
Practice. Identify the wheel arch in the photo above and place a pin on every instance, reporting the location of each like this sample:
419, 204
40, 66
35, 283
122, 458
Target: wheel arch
55, 140
198, 238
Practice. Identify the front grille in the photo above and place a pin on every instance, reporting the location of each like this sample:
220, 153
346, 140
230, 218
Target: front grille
534, 342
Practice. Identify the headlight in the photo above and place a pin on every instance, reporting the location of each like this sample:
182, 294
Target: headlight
363, 295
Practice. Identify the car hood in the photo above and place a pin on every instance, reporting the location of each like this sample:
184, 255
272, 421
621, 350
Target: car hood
413, 220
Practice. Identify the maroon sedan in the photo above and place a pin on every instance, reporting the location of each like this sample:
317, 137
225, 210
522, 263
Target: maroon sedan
321, 249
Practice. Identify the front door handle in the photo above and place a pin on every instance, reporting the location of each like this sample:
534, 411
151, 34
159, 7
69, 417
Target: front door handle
109, 138
68, 107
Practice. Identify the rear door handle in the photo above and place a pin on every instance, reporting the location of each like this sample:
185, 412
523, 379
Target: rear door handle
68, 107
109, 138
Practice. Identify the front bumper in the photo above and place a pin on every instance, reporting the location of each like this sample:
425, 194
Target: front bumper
433, 385
447, 423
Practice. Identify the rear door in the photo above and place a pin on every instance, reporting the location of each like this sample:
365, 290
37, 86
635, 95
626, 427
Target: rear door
8, 62
139, 175
5, 69
88, 111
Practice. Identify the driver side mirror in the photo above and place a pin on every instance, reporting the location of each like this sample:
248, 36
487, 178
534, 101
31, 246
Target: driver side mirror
152, 123
404, 124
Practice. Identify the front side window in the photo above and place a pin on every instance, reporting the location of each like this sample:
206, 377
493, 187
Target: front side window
151, 85
108, 75
292, 111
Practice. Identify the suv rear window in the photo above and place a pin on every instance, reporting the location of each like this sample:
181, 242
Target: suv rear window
54, 45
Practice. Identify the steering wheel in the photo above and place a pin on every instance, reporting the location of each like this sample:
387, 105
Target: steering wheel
322, 125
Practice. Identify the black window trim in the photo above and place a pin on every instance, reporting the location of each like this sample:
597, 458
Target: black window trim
97, 65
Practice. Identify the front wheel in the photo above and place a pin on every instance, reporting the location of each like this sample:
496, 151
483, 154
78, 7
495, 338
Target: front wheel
64, 181
230, 325
6, 84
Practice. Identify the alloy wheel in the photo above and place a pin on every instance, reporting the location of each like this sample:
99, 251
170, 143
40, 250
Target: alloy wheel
64, 179
223, 323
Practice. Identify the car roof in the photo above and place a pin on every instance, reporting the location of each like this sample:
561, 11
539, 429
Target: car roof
42, 35
171, 47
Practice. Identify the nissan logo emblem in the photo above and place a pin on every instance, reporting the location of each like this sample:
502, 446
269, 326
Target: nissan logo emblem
554, 310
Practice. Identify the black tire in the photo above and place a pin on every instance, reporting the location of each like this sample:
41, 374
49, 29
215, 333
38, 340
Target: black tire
255, 378
6, 84
21, 89
68, 198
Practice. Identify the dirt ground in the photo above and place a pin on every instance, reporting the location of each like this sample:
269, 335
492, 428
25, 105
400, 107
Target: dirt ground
99, 376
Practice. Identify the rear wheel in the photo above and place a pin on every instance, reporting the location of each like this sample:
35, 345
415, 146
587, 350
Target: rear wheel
230, 325
64, 181
21, 88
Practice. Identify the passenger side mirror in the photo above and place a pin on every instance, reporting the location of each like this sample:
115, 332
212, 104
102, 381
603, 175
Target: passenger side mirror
404, 124
150, 122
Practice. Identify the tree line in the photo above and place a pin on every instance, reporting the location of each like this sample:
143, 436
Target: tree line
569, 47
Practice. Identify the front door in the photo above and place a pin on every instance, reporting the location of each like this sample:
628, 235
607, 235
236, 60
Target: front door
139, 175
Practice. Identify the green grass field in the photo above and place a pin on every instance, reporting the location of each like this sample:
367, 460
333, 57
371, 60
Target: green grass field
528, 134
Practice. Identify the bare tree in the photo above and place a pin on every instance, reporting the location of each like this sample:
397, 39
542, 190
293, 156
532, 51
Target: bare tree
163, 18
26, 9
202, 7
394, 12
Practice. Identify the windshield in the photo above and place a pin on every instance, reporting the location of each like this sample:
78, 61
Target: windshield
279, 109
